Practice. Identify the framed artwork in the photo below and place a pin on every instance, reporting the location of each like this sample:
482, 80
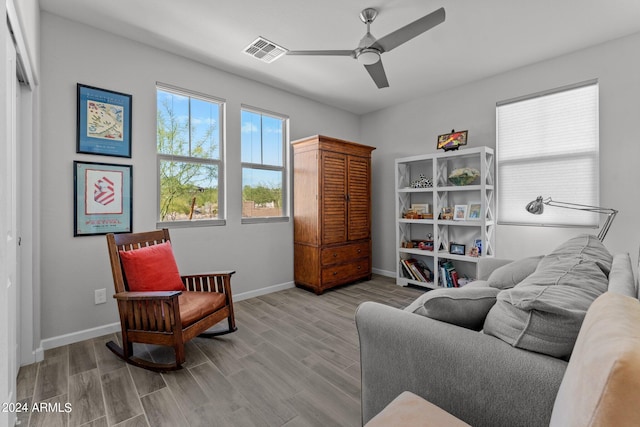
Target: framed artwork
460, 213
104, 122
453, 140
456, 249
102, 198
474, 211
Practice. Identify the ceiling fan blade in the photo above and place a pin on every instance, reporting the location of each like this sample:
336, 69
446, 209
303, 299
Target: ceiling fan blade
376, 71
321, 52
406, 33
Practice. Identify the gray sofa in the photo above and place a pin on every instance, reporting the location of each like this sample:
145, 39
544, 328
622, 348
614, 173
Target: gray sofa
479, 378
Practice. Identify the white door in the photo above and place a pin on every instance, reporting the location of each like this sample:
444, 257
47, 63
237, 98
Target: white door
8, 240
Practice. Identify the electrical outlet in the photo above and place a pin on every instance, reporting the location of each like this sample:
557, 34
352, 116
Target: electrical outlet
100, 296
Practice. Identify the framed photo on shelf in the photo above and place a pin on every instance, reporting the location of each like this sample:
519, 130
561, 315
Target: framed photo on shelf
474, 211
102, 198
456, 249
460, 212
103, 122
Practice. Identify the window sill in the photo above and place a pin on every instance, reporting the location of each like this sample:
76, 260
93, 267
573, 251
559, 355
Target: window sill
189, 224
261, 220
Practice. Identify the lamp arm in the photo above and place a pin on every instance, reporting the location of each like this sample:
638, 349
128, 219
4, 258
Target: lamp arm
580, 207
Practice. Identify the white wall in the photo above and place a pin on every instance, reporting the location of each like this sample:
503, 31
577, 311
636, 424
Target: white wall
72, 268
411, 128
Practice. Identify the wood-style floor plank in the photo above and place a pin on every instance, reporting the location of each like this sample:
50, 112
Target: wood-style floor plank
294, 362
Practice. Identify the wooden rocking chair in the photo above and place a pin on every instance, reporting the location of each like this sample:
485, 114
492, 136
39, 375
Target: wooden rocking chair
169, 318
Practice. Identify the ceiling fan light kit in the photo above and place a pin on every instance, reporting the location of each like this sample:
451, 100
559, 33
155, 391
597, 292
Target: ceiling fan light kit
370, 49
368, 56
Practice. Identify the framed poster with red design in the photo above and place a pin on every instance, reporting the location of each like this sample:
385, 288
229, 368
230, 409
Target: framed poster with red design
102, 198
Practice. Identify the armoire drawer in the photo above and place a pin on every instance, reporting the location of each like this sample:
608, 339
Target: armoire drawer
344, 253
344, 273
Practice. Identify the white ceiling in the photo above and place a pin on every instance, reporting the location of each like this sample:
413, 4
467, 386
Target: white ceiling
479, 38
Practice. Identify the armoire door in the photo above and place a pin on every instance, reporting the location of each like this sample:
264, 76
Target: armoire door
359, 198
334, 197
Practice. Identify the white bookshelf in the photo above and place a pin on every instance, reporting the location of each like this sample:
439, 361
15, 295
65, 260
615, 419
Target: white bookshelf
438, 166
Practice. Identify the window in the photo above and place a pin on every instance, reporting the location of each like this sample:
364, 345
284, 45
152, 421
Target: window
264, 165
189, 140
547, 145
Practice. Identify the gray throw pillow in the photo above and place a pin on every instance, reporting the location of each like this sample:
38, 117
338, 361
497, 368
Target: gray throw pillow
465, 307
544, 312
509, 275
587, 247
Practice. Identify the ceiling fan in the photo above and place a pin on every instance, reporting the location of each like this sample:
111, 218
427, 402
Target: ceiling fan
369, 49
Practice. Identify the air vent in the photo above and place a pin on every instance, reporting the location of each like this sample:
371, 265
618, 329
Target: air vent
264, 50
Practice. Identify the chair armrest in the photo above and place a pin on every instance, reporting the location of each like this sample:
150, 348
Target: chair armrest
219, 281
159, 295
486, 265
475, 377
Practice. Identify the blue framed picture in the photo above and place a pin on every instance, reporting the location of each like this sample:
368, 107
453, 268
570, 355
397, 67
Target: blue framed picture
104, 122
102, 197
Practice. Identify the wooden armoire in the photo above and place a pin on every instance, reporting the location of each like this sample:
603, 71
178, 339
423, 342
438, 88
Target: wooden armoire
332, 212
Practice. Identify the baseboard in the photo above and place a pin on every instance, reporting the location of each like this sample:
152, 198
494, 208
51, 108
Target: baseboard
74, 337
263, 291
383, 272
99, 331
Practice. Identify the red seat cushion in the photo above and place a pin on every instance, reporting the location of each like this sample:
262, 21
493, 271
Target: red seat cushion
152, 268
196, 305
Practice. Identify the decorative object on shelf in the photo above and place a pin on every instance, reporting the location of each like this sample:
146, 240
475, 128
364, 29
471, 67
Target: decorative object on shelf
478, 244
473, 252
474, 211
460, 213
464, 176
104, 122
536, 207
426, 245
421, 208
422, 182
453, 140
102, 198
456, 249
446, 213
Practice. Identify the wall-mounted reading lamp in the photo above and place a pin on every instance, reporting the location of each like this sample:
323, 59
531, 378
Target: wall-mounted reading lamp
536, 207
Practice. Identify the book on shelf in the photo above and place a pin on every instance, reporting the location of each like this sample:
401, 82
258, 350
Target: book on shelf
448, 275
416, 270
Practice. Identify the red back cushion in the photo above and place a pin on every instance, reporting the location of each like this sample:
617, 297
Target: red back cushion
152, 268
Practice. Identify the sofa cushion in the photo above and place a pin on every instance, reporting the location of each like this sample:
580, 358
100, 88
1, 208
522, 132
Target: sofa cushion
152, 268
466, 307
601, 386
544, 312
409, 409
587, 247
509, 275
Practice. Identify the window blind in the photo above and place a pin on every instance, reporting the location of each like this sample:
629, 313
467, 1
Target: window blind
548, 145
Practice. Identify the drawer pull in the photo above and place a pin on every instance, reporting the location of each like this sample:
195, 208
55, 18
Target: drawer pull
359, 267
335, 273
359, 250
335, 255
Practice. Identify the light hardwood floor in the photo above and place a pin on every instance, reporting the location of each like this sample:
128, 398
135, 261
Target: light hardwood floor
294, 361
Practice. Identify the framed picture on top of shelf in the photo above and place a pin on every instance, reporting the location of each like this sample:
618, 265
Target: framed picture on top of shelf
474, 212
460, 212
103, 122
453, 140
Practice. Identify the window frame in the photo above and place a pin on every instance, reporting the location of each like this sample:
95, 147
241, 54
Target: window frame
284, 169
219, 162
591, 220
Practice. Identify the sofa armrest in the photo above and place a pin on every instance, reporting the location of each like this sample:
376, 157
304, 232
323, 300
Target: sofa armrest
488, 264
476, 377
